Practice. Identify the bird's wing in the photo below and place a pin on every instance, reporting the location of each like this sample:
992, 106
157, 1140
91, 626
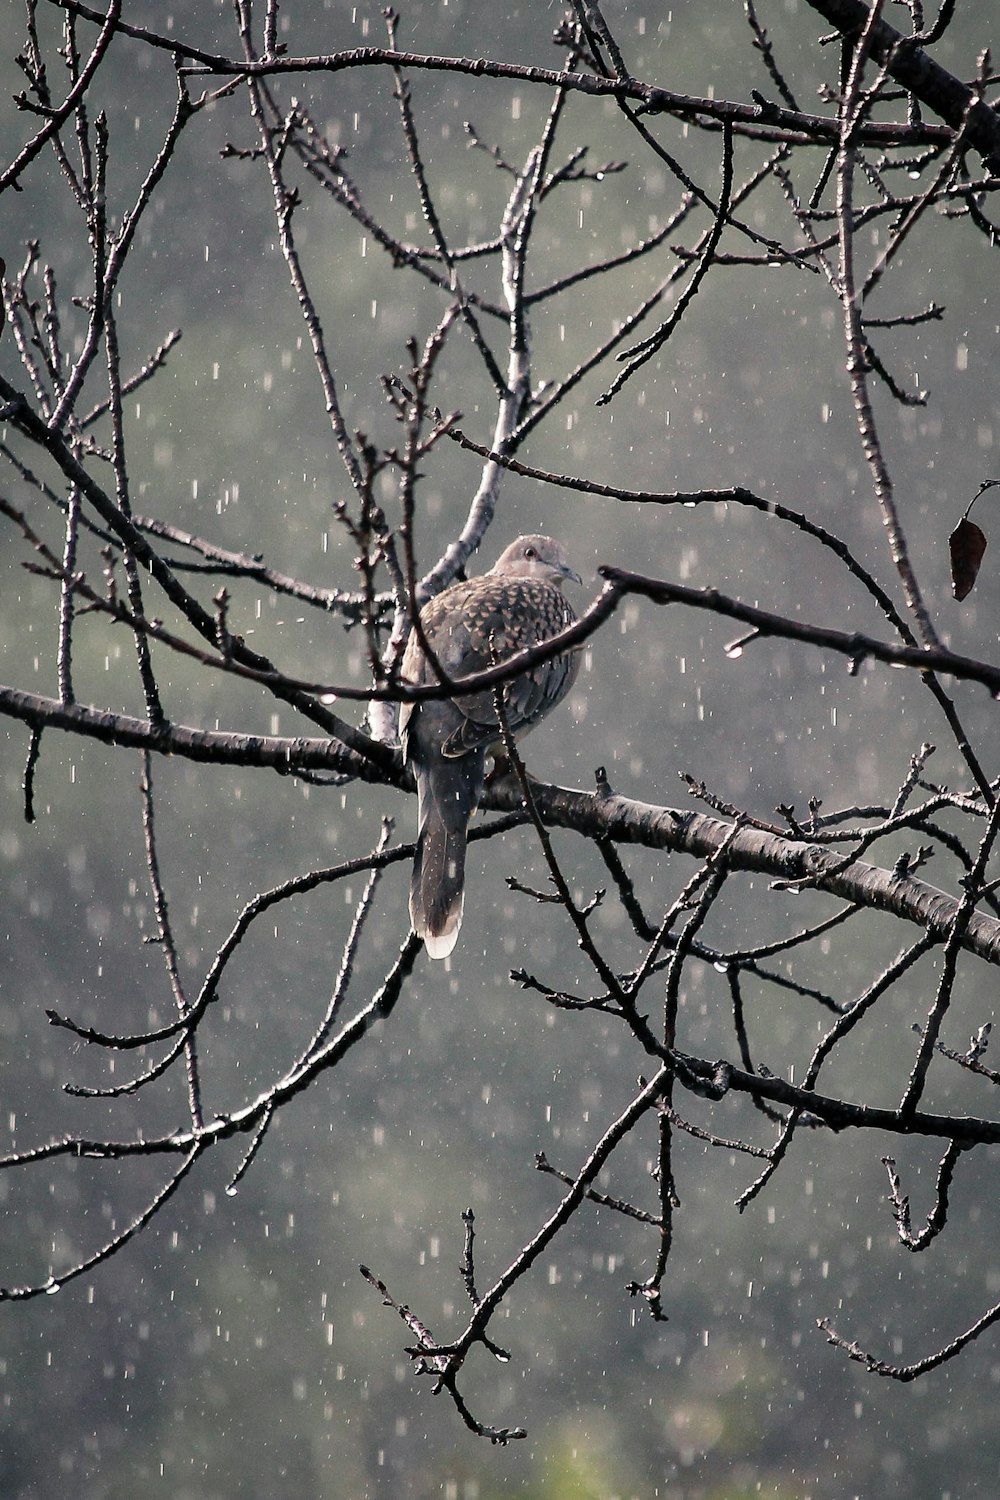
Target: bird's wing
476, 625
498, 619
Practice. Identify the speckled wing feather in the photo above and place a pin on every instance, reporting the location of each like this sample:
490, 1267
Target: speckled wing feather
479, 624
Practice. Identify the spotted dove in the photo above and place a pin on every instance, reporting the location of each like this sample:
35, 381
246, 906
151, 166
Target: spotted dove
470, 627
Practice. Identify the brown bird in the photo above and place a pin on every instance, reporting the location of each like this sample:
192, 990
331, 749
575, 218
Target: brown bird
470, 627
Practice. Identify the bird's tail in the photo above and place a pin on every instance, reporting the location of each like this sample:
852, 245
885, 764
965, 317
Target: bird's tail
447, 792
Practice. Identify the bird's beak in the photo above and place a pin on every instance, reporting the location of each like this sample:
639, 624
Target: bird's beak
570, 573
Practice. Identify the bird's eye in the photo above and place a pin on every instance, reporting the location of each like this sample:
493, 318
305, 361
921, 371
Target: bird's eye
530, 553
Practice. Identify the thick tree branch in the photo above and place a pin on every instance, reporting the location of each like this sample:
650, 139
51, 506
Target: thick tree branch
625, 821
215, 747
906, 62
855, 647
772, 123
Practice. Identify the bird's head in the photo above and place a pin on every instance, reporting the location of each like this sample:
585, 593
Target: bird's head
535, 557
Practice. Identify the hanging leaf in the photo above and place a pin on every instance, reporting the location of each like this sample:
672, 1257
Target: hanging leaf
967, 544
